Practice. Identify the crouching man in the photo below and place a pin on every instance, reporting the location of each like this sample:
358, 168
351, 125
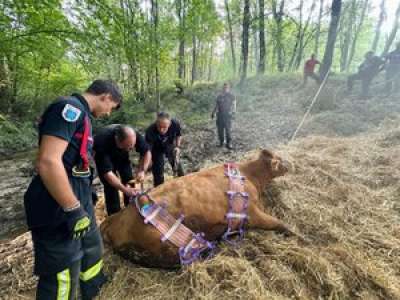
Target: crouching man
112, 145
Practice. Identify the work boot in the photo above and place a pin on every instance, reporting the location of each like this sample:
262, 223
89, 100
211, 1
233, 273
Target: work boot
229, 146
221, 144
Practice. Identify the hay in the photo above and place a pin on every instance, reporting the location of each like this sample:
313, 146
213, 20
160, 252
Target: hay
342, 195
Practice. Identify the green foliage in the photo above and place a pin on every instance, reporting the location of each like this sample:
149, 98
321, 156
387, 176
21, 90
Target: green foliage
16, 136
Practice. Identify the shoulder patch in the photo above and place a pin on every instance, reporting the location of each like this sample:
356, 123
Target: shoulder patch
71, 113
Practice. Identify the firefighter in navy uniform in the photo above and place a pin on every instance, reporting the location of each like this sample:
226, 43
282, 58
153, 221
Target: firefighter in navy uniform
225, 108
66, 241
112, 145
164, 139
392, 67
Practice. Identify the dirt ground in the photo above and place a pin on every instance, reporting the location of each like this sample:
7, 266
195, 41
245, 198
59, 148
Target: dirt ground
342, 194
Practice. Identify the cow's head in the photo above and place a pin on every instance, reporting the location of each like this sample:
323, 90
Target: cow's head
275, 165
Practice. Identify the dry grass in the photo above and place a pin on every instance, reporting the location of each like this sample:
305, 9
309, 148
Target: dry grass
342, 194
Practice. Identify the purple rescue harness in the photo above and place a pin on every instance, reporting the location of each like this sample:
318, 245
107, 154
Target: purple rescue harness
193, 246
238, 202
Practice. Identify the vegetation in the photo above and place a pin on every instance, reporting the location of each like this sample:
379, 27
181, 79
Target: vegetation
54, 47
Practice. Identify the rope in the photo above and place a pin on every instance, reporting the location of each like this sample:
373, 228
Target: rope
310, 107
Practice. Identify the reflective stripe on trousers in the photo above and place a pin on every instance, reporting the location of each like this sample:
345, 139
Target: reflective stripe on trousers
63, 285
92, 272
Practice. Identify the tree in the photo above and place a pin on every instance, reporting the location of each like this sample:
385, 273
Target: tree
393, 32
156, 43
332, 33
231, 39
318, 30
181, 11
245, 40
358, 29
382, 17
277, 13
261, 62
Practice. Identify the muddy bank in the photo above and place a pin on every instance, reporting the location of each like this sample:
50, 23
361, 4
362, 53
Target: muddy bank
15, 175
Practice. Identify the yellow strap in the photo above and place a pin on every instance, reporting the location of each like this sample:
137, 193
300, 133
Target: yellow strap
63, 285
92, 271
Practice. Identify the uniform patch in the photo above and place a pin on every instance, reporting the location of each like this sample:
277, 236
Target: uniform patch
71, 113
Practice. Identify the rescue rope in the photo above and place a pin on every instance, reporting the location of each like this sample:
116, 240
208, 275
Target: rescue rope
322, 85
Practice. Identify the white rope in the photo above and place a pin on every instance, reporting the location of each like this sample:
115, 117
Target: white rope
310, 107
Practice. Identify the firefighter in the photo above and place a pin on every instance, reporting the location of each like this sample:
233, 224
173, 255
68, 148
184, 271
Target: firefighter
225, 108
112, 145
164, 139
60, 215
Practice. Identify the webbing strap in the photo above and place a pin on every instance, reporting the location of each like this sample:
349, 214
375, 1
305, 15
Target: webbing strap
83, 150
153, 215
174, 227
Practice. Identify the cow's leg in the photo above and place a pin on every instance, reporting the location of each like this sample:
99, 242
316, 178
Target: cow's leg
261, 220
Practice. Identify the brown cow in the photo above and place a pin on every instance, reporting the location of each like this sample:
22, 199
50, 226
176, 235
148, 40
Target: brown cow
202, 198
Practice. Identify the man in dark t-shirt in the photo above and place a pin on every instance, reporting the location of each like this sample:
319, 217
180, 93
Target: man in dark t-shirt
392, 67
367, 71
225, 107
164, 139
112, 145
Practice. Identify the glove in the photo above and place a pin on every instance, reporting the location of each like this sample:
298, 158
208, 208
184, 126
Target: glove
212, 116
78, 222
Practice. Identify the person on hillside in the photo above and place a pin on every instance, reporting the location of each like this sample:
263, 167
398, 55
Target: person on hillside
164, 139
392, 67
112, 145
67, 244
225, 108
367, 71
309, 70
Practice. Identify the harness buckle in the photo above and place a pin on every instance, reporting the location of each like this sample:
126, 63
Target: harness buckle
83, 173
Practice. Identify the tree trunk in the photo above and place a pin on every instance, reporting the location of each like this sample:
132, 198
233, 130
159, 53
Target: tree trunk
330, 44
232, 41
393, 33
261, 62
318, 33
210, 62
154, 12
278, 17
255, 44
298, 36
303, 42
194, 59
180, 11
245, 40
357, 33
346, 23
382, 17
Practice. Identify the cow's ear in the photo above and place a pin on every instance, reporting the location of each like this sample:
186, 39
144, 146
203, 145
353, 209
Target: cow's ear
266, 154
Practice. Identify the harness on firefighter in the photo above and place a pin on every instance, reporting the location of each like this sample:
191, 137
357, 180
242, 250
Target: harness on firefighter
83, 170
